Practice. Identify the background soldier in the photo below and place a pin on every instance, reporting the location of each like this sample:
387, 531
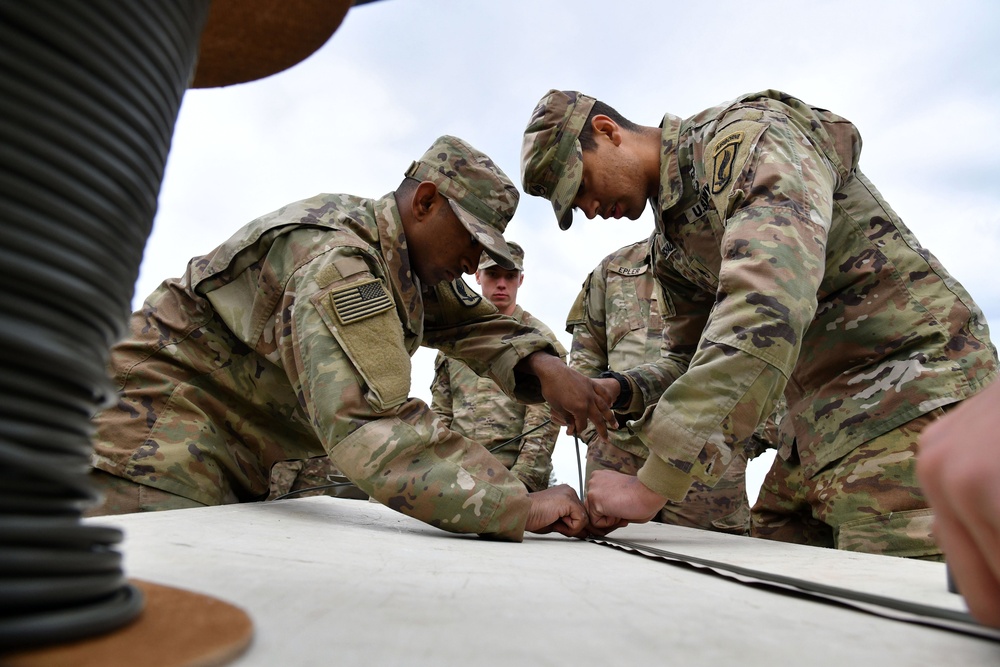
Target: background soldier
784, 271
478, 409
615, 323
293, 339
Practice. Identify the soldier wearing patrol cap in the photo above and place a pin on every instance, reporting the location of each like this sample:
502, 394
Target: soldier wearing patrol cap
478, 409
293, 340
785, 272
615, 323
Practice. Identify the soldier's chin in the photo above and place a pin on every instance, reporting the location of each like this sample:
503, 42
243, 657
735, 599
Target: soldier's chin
637, 213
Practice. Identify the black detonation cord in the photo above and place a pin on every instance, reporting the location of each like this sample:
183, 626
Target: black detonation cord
963, 621
90, 91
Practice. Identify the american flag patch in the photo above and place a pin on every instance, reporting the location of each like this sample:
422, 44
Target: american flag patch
360, 300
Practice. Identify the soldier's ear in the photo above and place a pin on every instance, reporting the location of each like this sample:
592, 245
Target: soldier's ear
604, 126
425, 200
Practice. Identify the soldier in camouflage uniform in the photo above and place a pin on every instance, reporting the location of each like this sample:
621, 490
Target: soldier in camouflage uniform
616, 325
293, 340
785, 272
476, 407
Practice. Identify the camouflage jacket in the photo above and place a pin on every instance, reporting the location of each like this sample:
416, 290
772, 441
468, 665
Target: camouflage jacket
784, 270
293, 339
476, 407
616, 325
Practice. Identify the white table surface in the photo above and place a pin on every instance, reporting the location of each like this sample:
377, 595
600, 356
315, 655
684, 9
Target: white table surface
332, 581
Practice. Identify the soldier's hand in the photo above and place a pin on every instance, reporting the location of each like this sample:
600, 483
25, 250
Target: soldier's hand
609, 389
959, 467
558, 509
574, 398
615, 499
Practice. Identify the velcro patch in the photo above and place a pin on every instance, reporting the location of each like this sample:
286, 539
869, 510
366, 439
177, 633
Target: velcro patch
357, 301
724, 158
373, 342
577, 312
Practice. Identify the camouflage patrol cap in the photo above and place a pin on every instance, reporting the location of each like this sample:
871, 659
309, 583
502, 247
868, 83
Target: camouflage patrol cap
479, 193
551, 157
516, 254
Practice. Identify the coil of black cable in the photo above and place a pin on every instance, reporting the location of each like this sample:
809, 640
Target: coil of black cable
90, 93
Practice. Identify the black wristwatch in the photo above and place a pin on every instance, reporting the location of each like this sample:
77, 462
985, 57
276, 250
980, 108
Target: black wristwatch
624, 395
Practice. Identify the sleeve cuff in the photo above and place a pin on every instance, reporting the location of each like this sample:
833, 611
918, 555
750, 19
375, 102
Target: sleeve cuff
510, 518
523, 387
637, 404
665, 479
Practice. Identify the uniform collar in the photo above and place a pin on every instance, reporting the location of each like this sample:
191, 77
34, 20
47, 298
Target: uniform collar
671, 185
405, 284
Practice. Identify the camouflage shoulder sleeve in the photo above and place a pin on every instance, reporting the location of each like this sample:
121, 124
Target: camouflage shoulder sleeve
773, 248
359, 313
773, 259
340, 341
400, 453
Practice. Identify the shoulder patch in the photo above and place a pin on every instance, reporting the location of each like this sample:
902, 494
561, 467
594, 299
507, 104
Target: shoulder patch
350, 265
362, 319
465, 296
728, 156
723, 159
357, 301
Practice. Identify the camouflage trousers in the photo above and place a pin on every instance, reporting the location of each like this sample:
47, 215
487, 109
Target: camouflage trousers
287, 476
868, 501
724, 508
123, 496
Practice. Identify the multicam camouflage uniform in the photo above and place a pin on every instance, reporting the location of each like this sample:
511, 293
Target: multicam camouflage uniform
476, 407
615, 323
293, 340
787, 272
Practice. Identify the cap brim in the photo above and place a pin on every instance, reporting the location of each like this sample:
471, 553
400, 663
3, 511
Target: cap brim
492, 241
565, 219
565, 191
486, 262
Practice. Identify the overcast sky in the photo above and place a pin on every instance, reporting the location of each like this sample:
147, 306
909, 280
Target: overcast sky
920, 79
